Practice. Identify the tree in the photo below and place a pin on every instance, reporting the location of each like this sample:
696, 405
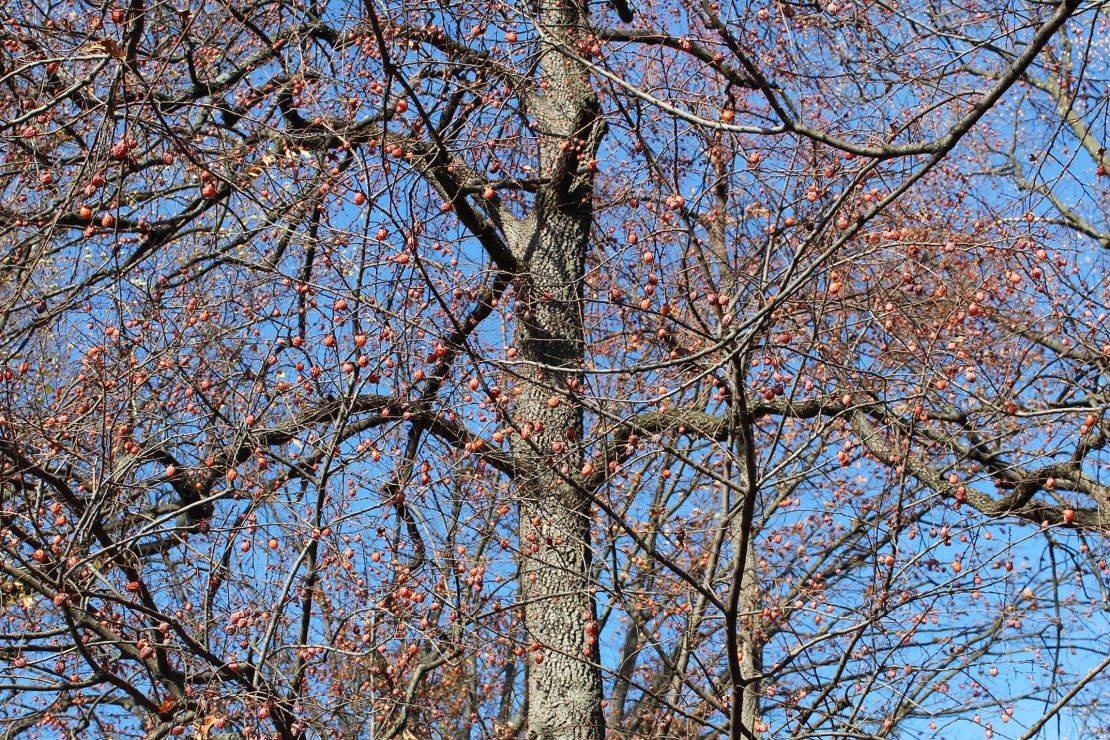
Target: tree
666, 370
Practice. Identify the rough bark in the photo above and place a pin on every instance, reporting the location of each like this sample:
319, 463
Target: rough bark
564, 687
750, 641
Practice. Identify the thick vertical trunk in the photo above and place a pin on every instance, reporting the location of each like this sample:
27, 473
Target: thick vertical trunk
564, 689
564, 686
750, 640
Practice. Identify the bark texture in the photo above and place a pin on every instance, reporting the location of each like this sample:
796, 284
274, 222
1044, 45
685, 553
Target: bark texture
564, 685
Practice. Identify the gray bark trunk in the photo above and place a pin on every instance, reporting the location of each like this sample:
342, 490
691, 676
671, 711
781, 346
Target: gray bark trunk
564, 688
750, 641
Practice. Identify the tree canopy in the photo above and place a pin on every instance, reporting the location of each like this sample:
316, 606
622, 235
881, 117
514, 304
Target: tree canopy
554, 370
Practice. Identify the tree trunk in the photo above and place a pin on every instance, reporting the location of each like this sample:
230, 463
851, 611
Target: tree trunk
564, 686
750, 642
743, 617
